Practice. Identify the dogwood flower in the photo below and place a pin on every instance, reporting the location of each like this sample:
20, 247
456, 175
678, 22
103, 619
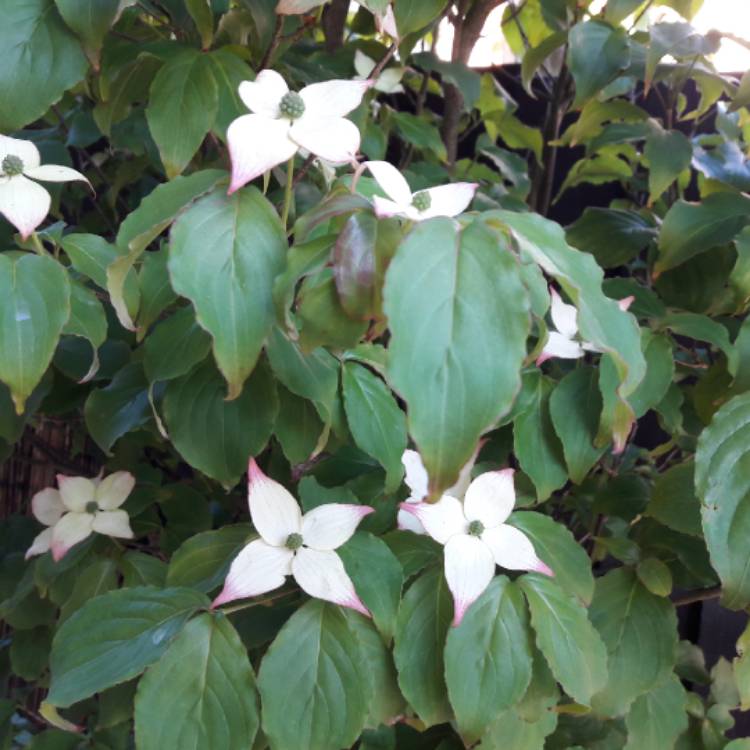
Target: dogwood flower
284, 121
386, 23
293, 544
417, 481
564, 341
24, 203
388, 82
445, 200
79, 507
476, 538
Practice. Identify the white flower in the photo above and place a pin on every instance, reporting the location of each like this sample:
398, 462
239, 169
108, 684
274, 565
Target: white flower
386, 24
418, 482
24, 203
562, 342
445, 200
389, 81
475, 537
285, 121
293, 544
79, 507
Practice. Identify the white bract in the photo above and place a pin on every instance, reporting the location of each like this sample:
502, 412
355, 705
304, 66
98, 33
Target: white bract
24, 203
445, 200
388, 82
386, 24
284, 121
418, 482
564, 341
79, 507
293, 544
476, 537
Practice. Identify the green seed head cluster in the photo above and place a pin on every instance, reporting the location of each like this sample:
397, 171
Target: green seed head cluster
12, 165
421, 201
476, 528
291, 105
91, 506
294, 541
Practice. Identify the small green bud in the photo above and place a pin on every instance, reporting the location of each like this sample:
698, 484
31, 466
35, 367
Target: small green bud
12, 165
293, 541
291, 105
91, 506
476, 528
421, 201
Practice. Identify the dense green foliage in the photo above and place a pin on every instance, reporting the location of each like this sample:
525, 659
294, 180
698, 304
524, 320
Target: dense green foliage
177, 331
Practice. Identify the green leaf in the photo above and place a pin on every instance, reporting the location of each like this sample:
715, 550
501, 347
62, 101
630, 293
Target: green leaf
386, 701
225, 253
377, 576
156, 291
657, 349
613, 236
669, 153
91, 20
535, 443
488, 658
114, 637
312, 682
566, 637
184, 91
122, 406
202, 14
689, 229
575, 406
639, 630
411, 17
229, 71
722, 482
29, 652
298, 426
673, 501
459, 74
96, 578
419, 133
703, 328
655, 576
212, 434
414, 551
201, 692
354, 265
600, 320
376, 422
596, 55
511, 730
176, 345
423, 622
658, 718
42, 60
87, 320
202, 561
155, 213
465, 288
36, 304
558, 548
534, 58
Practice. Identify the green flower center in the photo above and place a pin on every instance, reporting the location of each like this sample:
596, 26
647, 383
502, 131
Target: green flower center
291, 105
293, 541
421, 201
476, 528
91, 506
12, 165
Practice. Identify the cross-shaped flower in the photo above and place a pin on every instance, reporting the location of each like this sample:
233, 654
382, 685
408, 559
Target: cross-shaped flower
23, 202
418, 482
79, 507
444, 200
285, 121
388, 82
563, 341
293, 544
476, 537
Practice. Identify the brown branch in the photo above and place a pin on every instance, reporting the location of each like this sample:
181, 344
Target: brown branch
274, 43
701, 595
334, 23
378, 69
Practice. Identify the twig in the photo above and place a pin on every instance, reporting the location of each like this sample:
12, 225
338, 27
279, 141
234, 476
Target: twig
275, 40
303, 170
378, 69
700, 595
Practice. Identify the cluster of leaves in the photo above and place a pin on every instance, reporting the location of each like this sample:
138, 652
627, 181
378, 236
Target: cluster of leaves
183, 330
